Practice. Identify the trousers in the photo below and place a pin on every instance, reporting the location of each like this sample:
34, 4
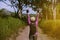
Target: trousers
32, 37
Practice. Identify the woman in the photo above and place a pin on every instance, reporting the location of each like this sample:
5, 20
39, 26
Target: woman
33, 23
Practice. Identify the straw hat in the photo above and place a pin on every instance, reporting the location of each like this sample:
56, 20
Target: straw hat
32, 18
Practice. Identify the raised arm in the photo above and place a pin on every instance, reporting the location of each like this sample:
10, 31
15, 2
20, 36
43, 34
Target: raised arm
37, 17
28, 17
36, 22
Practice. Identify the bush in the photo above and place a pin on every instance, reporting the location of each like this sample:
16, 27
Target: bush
9, 26
51, 28
58, 11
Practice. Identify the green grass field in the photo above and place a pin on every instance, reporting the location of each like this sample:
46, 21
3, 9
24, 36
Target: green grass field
9, 25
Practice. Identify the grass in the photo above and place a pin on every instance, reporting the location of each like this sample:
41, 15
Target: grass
58, 11
9, 25
51, 28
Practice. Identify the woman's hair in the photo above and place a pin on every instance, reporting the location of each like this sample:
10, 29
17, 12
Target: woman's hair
38, 11
27, 11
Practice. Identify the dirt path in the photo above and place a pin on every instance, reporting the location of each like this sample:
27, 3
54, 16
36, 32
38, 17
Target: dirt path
25, 35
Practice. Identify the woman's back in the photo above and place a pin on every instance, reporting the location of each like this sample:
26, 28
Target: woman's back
32, 28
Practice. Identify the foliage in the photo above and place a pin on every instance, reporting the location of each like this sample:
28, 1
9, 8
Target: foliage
37, 3
51, 27
9, 26
58, 11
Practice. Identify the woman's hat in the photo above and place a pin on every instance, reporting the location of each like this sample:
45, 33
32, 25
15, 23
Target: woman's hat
32, 18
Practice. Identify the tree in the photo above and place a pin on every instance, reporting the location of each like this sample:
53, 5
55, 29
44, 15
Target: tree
19, 3
43, 4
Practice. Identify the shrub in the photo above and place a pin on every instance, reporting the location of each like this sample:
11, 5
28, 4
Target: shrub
51, 27
9, 26
58, 11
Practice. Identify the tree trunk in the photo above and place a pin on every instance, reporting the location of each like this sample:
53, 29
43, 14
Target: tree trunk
54, 9
54, 13
20, 9
19, 13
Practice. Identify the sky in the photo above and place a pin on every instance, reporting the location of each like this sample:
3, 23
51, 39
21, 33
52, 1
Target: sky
3, 5
9, 8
